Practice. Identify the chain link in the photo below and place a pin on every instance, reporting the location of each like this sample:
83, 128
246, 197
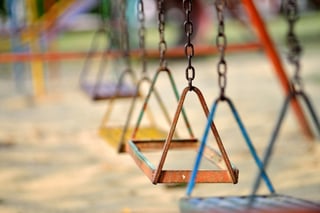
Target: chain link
221, 43
106, 22
188, 47
125, 34
161, 27
295, 50
141, 33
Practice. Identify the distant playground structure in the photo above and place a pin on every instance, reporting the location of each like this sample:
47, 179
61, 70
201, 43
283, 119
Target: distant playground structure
28, 30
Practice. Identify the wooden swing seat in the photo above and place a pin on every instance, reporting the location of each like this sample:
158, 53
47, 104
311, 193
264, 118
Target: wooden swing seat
263, 203
137, 147
109, 91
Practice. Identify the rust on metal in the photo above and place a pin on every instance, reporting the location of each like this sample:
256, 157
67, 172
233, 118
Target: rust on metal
227, 173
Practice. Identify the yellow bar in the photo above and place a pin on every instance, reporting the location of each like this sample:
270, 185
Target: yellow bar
37, 74
36, 65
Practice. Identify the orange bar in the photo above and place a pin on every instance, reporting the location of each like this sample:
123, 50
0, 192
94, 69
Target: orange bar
273, 56
174, 52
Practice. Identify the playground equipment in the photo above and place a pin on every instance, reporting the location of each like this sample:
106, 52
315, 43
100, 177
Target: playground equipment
297, 88
99, 88
221, 42
116, 135
252, 203
11, 39
137, 148
42, 16
177, 52
31, 39
238, 204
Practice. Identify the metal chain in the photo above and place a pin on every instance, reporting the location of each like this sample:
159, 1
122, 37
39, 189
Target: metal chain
104, 10
161, 27
141, 32
221, 43
106, 24
125, 34
188, 47
295, 50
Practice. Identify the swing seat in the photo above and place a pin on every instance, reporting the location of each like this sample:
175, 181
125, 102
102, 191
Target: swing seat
108, 91
113, 135
262, 203
226, 172
137, 147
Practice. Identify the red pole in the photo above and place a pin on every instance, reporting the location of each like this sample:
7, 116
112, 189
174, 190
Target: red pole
274, 58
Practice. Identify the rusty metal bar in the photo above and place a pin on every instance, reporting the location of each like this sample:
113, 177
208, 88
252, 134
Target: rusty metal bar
174, 52
135, 148
157, 175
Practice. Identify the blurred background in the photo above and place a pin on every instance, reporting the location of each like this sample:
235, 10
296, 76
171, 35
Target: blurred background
51, 26
53, 153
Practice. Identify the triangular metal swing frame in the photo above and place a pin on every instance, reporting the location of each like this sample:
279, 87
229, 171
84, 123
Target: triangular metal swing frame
99, 90
245, 136
292, 95
117, 136
253, 203
158, 175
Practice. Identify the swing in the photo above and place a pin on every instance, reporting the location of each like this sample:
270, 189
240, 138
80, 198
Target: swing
138, 148
297, 90
253, 203
221, 43
97, 89
116, 136
238, 204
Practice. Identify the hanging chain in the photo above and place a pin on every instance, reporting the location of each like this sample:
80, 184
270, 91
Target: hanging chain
291, 12
125, 34
188, 47
106, 16
221, 43
161, 27
141, 32
104, 10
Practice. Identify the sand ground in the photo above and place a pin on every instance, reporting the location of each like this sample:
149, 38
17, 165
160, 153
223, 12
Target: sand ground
53, 160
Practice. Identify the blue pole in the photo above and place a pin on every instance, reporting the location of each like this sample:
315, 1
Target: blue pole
19, 72
244, 134
277, 128
251, 147
191, 182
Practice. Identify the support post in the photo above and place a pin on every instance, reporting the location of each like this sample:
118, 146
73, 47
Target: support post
271, 52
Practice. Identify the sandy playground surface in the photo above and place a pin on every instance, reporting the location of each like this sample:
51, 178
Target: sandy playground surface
53, 160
